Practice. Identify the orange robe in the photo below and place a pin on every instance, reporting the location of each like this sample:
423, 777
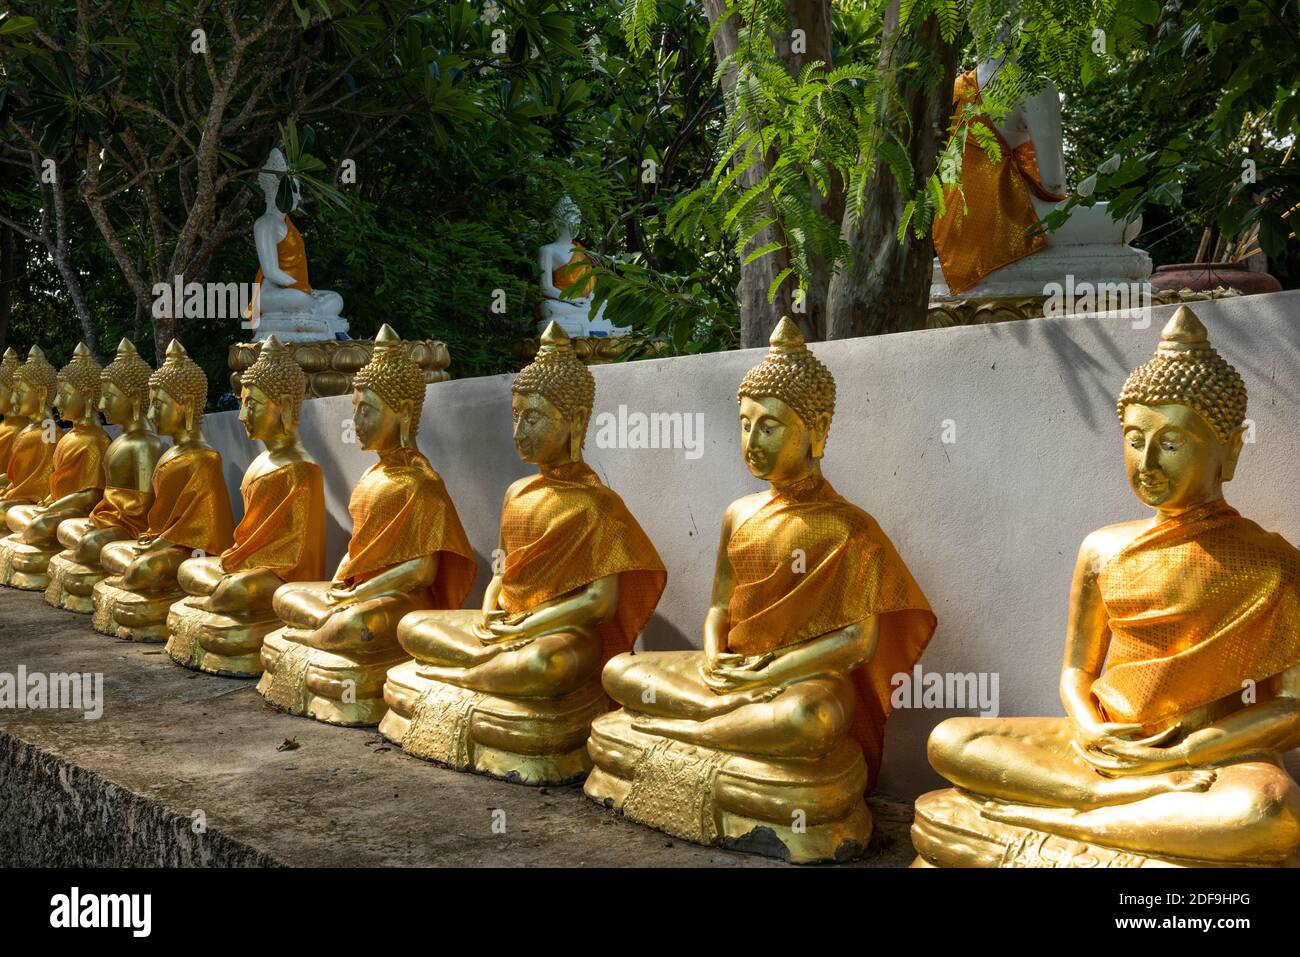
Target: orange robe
808, 563
291, 253
1198, 605
283, 528
124, 508
993, 229
577, 272
400, 511
30, 465
190, 505
78, 462
9, 430
563, 529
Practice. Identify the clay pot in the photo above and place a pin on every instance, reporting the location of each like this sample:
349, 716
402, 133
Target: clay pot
1204, 276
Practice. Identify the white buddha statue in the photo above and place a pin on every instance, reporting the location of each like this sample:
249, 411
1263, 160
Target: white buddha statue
984, 242
284, 303
564, 265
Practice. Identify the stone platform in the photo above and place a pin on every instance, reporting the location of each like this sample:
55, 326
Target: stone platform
124, 790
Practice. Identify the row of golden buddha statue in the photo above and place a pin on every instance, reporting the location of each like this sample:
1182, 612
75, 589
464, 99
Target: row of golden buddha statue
766, 740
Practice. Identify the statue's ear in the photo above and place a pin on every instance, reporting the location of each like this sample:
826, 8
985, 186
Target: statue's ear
405, 413
821, 428
577, 433
1233, 452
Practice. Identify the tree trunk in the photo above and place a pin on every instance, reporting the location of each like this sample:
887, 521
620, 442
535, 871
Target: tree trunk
886, 286
758, 317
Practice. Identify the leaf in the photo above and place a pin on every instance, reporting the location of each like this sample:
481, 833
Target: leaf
781, 277
760, 252
13, 26
1086, 186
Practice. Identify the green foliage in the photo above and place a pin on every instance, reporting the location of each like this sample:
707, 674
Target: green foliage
1173, 125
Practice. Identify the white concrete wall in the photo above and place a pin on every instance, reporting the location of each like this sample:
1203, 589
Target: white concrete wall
989, 525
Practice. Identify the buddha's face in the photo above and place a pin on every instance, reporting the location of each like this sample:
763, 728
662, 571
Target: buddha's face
169, 417
378, 425
542, 433
777, 444
70, 401
1172, 457
262, 416
28, 400
116, 405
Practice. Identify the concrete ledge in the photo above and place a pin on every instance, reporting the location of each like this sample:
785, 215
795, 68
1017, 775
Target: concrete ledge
986, 453
123, 790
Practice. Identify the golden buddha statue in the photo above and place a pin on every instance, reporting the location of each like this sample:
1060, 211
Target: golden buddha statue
768, 739
123, 512
190, 514
76, 479
408, 551
281, 538
13, 423
1181, 679
31, 456
511, 689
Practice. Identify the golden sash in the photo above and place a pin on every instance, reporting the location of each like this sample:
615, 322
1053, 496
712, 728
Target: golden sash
993, 230
563, 529
78, 462
1198, 605
124, 508
401, 510
291, 253
30, 466
283, 528
9, 430
577, 273
190, 504
808, 563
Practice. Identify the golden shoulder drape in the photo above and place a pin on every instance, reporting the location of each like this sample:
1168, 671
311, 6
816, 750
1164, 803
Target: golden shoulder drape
124, 508
78, 462
808, 563
283, 528
576, 272
992, 230
1198, 605
30, 465
9, 430
563, 529
400, 511
190, 504
291, 252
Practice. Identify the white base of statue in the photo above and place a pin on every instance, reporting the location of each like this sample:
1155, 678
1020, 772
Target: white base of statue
1068, 267
299, 327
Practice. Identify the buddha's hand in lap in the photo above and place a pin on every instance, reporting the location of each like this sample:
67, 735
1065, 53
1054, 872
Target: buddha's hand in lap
340, 596
500, 633
1113, 756
728, 671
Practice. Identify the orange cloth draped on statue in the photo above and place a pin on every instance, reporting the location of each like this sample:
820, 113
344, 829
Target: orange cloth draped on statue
124, 508
563, 529
291, 253
283, 528
992, 230
190, 505
401, 511
78, 462
574, 272
808, 563
1198, 604
30, 465
8, 432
